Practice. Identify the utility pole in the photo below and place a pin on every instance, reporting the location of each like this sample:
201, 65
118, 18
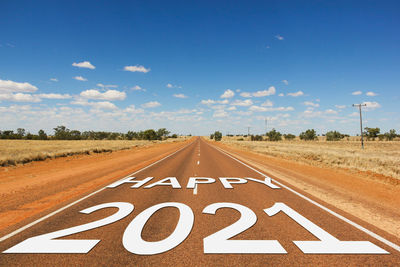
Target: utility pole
361, 128
248, 130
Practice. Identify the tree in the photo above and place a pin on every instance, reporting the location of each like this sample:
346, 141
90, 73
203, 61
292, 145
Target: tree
334, 136
372, 133
211, 136
390, 135
42, 135
162, 133
217, 136
309, 134
289, 136
256, 137
149, 134
20, 133
61, 132
274, 135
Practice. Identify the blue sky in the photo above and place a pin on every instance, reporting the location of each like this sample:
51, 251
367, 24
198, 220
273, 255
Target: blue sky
199, 66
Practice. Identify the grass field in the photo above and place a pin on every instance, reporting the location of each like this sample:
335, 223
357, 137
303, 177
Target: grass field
380, 157
13, 152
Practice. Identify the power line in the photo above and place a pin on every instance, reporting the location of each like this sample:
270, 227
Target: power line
362, 135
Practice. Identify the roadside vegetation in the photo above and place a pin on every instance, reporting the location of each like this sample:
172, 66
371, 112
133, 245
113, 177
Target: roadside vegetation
381, 153
22, 147
63, 133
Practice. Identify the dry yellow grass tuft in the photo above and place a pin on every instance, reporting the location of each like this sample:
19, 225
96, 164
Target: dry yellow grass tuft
380, 157
13, 152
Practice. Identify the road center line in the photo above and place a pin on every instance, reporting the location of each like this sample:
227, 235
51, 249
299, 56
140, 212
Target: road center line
83, 198
198, 162
359, 227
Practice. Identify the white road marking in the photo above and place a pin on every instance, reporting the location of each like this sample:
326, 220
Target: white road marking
83, 198
198, 162
359, 227
195, 190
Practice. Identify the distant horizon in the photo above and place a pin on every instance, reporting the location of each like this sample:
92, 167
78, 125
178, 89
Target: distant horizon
199, 67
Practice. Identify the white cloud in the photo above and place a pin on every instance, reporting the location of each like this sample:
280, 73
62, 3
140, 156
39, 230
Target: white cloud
108, 95
170, 85
103, 105
267, 103
356, 93
179, 95
244, 113
54, 96
137, 88
296, 94
220, 113
228, 94
137, 68
263, 109
245, 94
371, 105
95, 105
279, 37
371, 94
133, 110
286, 82
309, 103
258, 109
231, 108
340, 106
84, 64
151, 104
80, 78
281, 94
311, 113
271, 91
54, 79
7, 86
330, 111
354, 114
19, 97
211, 102
107, 85
242, 103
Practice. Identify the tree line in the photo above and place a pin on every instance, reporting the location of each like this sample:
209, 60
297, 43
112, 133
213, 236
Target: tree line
63, 133
311, 134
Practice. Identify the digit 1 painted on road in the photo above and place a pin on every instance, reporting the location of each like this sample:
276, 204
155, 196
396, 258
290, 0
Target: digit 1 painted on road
328, 244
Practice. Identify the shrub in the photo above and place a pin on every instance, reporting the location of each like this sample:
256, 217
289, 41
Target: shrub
334, 136
256, 137
274, 135
372, 133
309, 134
217, 136
289, 136
390, 135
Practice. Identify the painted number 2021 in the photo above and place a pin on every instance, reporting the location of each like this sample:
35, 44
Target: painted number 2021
216, 243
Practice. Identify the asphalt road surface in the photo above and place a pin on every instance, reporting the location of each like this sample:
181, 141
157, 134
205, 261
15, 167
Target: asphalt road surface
201, 208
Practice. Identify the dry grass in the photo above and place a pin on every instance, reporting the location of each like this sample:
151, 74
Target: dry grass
13, 152
380, 157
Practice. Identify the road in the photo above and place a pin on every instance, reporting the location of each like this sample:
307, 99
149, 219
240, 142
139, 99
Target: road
175, 221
